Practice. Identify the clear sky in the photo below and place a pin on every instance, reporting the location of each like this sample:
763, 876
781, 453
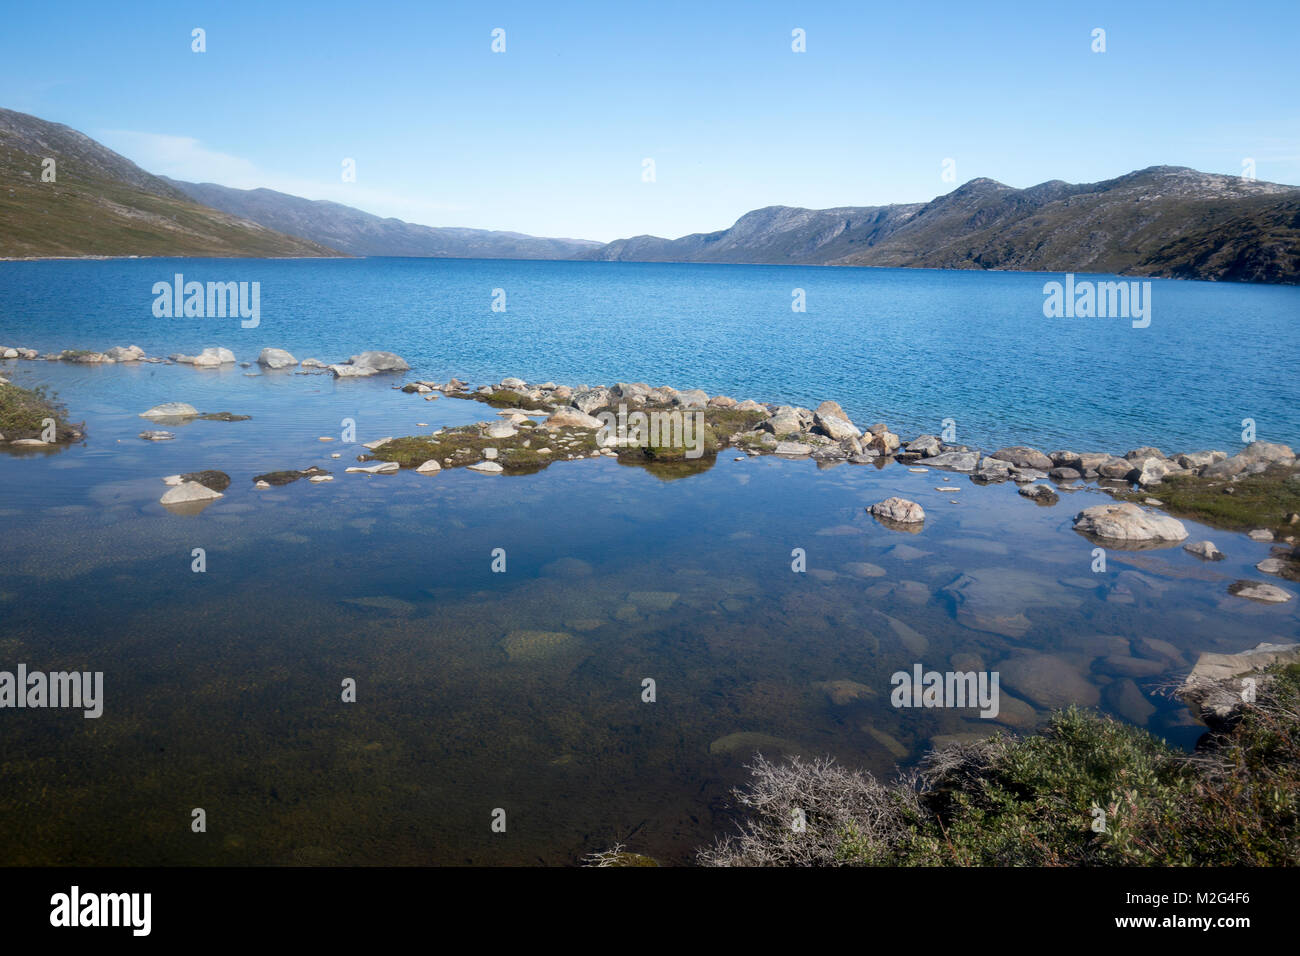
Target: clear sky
549, 137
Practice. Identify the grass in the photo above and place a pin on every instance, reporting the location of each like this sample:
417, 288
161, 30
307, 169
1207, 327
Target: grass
1037, 801
458, 447
23, 413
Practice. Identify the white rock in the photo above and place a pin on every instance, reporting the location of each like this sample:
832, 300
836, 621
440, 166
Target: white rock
188, 491
1127, 523
171, 410
500, 430
489, 453
1204, 550
486, 467
378, 443
383, 468
429, 467
276, 358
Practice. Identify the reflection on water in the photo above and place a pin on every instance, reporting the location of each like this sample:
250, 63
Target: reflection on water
519, 690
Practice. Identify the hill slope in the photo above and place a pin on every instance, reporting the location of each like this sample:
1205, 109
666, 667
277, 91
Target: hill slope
362, 234
102, 204
1163, 221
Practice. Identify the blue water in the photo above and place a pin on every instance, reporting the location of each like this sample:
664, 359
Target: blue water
908, 347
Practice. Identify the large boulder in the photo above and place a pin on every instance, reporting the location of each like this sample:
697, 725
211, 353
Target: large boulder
784, 421
572, 418
353, 371
835, 427
1023, 457
1216, 690
380, 361
276, 358
1270, 452
1124, 524
898, 510
131, 353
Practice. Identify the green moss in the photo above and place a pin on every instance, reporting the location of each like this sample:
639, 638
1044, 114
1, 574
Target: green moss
286, 477
458, 447
504, 398
216, 480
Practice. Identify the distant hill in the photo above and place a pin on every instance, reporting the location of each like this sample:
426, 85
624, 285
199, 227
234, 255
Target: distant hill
1163, 221
102, 204
362, 234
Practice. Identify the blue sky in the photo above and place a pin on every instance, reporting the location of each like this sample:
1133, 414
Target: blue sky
549, 137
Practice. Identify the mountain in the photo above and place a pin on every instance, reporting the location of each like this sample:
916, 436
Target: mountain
1163, 221
362, 234
102, 204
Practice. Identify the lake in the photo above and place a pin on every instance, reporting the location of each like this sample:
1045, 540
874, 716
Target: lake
523, 690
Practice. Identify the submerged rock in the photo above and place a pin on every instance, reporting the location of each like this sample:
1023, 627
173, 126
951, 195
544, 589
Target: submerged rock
187, 492
171, 410
1259, 591
157, 436
1205, 550
383, 468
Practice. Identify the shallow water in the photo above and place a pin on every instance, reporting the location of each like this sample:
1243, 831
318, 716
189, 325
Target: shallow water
223, 688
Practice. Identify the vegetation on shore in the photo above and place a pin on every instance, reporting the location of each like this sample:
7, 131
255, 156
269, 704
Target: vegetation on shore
1087, 791
1266, 500
24, 412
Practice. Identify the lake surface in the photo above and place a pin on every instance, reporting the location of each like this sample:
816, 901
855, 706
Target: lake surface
908, 347
223, 688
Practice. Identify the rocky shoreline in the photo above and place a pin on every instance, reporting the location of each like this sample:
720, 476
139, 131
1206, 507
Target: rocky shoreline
538, 424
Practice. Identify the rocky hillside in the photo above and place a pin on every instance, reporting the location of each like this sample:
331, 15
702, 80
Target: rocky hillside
102, 204
361, 234
1163, 221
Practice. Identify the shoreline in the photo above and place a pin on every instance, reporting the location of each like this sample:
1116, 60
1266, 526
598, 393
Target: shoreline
675, 433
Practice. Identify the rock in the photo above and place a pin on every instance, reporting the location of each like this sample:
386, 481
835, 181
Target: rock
525, 646
692, 398
380, 362
927, 446
172, 480
1126, 524
1228, 468
1272, 566
132, 353
1023, 457
1041, 494
353, 371
953, 460
992, 469
1047, 681
317, 479
500, 430
898, 510
1146, 451
883, 442
1122, 665
749, 743
1258, 591
276, 358
313, 363
1199, 459
514, 384
157, 436
1205, 550
1214, 689
383, 468
793, 448
1113, 467
1260, 534
429, 467
1149, 471
486, 467
377, 443
213, 357
1270, 452
1123, 697
1064, 474
784, 421
261, 485
572, 418
188, 491
489, 453
171, 410
842, 693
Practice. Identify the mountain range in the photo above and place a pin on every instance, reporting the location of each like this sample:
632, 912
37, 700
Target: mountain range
1168, 221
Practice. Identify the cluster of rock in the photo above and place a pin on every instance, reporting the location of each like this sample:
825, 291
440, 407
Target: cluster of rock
360, 365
